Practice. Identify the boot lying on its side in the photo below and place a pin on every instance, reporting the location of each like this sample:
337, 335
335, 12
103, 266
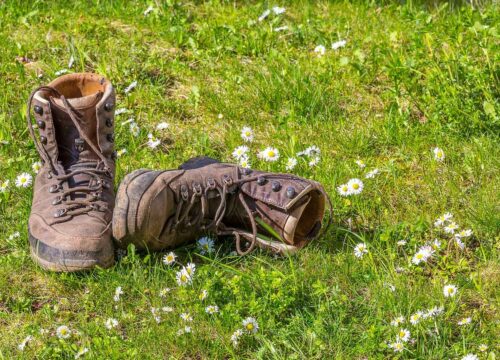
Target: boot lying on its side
70, 221
165, 209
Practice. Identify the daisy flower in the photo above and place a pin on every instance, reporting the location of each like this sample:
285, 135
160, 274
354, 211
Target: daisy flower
164, 292
360, 250
401, 243
167, 309
250, 325
435, 311
162, 126
483, 347
339, 44
14, 235
148, 10
244, 162
82, 352
156, 316
450, 290
212, 309
60, 72
220, 116
464, 234
398, 321
314, 161
4, 185
247, 134
111, 323
269, 154
153, 142
291, 163
361, 164
131, 87
169, 258
186, 317
240, 151
63, 332
397, 346
320, 50
451, 228
470, 357
281, 28
438, 154
23, 344
422, 255
440, 221
312, 151
264, 15
24, 180
205, 245
436, 244
190, 269
134, 129
343, 190
183, 278
460, 243
203, 295
415, 318
403, 335
278, 10
71, 61
355, 186
118, 293
121, 152
36, 166
235, 337
121, 111
465, 321
372, 174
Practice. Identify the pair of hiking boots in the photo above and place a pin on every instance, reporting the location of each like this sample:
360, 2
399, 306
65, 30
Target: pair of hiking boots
74, 213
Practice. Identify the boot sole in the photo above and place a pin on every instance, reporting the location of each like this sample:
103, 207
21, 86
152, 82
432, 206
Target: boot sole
126, 205
50, 258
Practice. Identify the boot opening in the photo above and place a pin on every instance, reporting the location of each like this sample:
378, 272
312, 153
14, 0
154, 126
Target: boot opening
80, 85
304, 222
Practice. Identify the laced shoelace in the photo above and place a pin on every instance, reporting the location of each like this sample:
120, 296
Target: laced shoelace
186, 205
98, 174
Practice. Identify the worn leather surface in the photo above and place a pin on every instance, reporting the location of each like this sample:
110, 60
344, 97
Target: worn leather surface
87, 235
152, 205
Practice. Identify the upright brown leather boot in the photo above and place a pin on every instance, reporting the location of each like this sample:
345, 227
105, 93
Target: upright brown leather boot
70, 221
164, 209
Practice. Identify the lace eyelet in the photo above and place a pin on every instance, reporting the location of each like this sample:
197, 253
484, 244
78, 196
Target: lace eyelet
197, 188
60, 212
57, 200
184, 192
226, 179
54, 189
211, 183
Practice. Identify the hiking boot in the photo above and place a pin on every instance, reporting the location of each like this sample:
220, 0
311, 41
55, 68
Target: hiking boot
158, 210
70, 221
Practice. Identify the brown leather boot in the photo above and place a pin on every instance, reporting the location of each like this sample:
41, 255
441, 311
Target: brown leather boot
70, 221
164, 209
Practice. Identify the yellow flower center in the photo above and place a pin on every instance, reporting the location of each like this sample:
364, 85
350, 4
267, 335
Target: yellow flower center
183, 277
420, 256
345, 188
355, 186
249, 326
271, 153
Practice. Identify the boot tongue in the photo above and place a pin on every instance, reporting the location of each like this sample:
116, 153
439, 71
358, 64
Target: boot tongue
72, 148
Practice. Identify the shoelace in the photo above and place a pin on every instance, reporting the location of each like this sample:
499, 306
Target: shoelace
186, 205
98, 174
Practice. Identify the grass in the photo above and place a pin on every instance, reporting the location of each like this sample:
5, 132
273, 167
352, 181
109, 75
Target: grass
410, 78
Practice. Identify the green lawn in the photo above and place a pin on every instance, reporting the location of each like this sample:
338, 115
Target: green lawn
410, 78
